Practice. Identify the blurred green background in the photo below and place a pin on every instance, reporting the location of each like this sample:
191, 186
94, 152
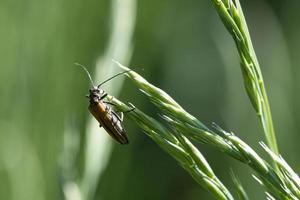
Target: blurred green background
180, 46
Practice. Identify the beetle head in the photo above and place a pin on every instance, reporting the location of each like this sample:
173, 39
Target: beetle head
96, 94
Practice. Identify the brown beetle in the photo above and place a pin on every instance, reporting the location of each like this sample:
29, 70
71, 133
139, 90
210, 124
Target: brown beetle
102, 111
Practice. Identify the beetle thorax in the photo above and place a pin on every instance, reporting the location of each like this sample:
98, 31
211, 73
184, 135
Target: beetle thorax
95, 95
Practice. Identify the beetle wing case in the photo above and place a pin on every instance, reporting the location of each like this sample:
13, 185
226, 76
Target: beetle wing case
110, 121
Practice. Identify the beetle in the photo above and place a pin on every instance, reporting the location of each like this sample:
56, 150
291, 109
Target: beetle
103, 112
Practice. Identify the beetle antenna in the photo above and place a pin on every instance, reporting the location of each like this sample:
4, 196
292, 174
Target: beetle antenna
118, 74
87, 72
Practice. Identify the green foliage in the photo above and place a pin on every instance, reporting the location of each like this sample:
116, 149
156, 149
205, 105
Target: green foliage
50, 148
233, 18
184, 125
240, 189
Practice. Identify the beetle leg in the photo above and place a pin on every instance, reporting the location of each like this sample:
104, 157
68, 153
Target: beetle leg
107, 109
121, 113
127, 111
110, 103
131, 109
103, 96
119, 117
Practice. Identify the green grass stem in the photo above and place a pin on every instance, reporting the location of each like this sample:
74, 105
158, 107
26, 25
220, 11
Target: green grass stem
184, 126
